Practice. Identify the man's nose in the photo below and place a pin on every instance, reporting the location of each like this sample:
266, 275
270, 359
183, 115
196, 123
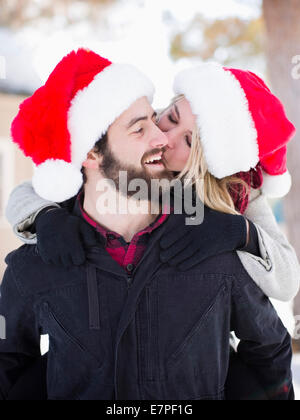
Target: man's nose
159, 139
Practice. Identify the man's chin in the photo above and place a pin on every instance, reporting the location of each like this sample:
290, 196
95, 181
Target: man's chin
158, 173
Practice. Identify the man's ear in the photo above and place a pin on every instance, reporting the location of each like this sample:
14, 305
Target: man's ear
92, 161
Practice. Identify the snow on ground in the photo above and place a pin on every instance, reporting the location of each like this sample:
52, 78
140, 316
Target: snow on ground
285, 312
296, 373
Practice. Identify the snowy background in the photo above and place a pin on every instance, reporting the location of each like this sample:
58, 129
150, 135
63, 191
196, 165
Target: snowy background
134, 31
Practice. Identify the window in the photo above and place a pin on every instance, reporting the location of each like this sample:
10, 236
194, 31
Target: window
7, 173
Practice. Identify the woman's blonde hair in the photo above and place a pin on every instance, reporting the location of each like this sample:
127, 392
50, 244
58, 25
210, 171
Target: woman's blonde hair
213, 192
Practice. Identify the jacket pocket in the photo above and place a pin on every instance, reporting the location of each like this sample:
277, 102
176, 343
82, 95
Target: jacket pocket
197, 368
67, 334
70, 363
179, 353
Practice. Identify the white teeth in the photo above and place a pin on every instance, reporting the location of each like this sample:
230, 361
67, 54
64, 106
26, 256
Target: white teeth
157, 158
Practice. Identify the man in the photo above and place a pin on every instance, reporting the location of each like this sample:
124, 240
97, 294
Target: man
124, 325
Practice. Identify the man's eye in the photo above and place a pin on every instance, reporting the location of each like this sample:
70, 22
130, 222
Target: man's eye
139, 131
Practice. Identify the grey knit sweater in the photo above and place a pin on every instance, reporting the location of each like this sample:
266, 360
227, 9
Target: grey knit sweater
277, 272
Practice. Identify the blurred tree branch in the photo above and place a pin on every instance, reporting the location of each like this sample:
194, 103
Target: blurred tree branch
222, 39
17, 13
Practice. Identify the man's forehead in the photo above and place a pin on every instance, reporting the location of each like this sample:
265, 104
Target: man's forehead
138, 108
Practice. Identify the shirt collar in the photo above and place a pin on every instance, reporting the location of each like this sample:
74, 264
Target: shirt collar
105, 233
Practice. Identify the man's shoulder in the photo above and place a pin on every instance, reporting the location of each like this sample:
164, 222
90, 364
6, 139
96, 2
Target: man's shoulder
24, 255
31, 274
227, 263
230, 265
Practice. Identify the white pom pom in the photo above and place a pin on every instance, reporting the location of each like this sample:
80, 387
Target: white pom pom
276, 186
57, 180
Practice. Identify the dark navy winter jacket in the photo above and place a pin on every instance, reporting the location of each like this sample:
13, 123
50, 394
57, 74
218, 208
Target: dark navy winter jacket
157, 335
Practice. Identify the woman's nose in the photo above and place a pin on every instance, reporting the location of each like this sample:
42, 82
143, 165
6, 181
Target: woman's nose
171, 139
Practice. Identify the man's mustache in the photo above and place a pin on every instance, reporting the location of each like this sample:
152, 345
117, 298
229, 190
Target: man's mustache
153, 153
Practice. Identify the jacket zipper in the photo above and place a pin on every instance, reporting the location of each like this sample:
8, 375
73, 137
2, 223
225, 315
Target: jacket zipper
130, 278
149, 335
129, 281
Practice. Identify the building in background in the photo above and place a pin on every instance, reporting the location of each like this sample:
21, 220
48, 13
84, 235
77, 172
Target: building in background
14, 168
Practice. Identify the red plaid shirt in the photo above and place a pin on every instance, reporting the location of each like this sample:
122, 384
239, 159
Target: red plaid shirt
254, 178
127, 255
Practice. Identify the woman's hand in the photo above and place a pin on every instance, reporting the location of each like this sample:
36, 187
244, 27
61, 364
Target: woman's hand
187, 246
62, 238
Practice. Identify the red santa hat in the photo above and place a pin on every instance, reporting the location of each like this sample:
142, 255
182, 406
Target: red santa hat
63, 120
241, 123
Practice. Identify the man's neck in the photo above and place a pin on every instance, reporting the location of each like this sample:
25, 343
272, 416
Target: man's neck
110, 216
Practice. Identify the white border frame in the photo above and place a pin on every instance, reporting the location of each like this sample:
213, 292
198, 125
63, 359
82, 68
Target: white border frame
8, 176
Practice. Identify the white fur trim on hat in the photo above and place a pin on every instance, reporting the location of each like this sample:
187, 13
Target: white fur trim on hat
276, 186
97, 106
227, 130
57, 180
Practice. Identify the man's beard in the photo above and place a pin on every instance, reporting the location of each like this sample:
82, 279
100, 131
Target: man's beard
111, 167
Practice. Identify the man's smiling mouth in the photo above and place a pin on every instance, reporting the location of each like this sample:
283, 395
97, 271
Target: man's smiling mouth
154, 160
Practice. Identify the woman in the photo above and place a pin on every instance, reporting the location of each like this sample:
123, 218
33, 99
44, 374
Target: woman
224, 121
194, 152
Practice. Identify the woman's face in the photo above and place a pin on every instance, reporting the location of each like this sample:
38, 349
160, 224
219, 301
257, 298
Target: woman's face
178, 123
